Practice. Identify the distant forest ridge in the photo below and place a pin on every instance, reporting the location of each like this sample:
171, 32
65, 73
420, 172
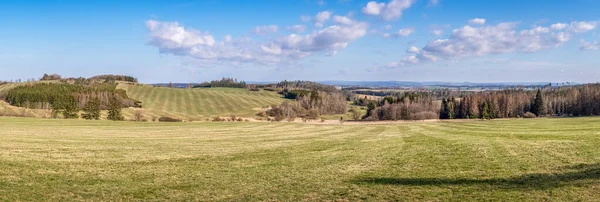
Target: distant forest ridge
400, 84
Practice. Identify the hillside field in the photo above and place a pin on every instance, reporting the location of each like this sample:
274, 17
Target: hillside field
510, 160
186, 103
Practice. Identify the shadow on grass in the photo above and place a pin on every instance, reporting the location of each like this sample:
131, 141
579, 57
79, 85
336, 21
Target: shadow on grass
582, 174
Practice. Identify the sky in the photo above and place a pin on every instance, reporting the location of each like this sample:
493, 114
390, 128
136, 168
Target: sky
320, 40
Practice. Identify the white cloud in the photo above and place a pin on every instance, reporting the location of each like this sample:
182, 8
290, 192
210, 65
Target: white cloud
437, 32
405, 32
267, 29
342, 20
589, 46
297, 28
387, 11
173, 36
321, 2
387, 27
477, 21
413, 49
386, 35
467, 41
321, 18
582, 26
200, 47
373, 8
559, 26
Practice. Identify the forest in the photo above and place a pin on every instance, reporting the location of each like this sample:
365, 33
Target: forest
223, 83
577, 100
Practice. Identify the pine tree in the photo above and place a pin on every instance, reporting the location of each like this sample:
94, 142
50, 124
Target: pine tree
114, 109
485, 112
92, 110
451, 106
70, 109
444, 109
538, 104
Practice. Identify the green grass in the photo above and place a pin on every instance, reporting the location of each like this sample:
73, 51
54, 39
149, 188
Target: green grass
509, 160
200, 102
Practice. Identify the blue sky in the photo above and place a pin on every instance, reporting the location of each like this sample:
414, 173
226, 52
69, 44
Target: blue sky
404, 40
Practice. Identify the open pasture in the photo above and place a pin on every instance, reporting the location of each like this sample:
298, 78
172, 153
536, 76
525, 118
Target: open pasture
514, 160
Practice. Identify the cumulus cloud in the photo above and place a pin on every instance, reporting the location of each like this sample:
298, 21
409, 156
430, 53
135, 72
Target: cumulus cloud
582, 26
501, 38
321, 18
387, 11
297, 28
559, 26
413, 49
267, 29
589, 46
342, 20
373, 8
173, 38
405, 32
477, 21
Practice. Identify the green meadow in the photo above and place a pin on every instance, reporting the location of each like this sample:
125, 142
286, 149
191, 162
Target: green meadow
555, 159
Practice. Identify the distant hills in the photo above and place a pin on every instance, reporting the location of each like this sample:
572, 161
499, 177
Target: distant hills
399, 84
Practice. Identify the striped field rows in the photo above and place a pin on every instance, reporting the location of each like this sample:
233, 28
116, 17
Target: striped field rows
518, 159
200, 103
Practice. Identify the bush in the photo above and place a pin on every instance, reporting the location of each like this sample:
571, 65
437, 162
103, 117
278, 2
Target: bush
240, 119
529, 115
262, 114
168, 119
138, 115
217, 119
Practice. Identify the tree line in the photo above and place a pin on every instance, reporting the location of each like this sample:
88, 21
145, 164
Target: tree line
580, 100
223, 83
69, 99
310, 104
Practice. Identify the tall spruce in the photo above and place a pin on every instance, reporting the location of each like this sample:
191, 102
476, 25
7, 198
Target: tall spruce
444, 109
451, 107
114, 109
92, 110
538, 104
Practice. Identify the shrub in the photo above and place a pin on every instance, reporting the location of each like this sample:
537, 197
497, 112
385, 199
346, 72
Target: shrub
261, 114
240, 119
168, 119
138, 115
529, 115
291, 119
217, 119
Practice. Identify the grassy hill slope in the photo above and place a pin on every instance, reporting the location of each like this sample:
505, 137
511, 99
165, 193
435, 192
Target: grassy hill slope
498, 160
199, 102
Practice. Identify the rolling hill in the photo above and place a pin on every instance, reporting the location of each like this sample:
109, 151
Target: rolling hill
198, 103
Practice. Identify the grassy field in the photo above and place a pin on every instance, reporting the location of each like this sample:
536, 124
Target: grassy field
511, 160
200, 102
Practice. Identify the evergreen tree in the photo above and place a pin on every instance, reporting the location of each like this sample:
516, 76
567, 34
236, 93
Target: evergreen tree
538, 104
92, 110
114, 109
485, 112
444, 109
70, 109
451, 106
